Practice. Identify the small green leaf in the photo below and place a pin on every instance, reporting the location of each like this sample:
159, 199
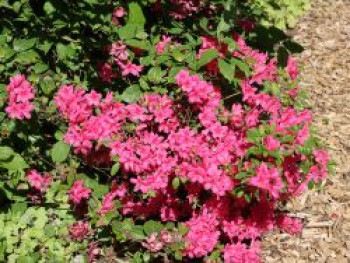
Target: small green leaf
115, 168
227, 70
27, 57
6, 153
20, 45
207, 57
136, 15
152, 226
65, 51
17, 163
59, 152
176, 183
49, 8
48, 85
127, 32
183, 229
131, 94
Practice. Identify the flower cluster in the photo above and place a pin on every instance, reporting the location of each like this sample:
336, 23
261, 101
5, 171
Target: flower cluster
20, 94
78, 192
156, 146
39, 182
79, 231
120, 56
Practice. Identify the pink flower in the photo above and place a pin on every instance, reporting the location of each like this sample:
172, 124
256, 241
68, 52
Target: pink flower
39, 182
93, 98
161, 45
239, 253
130, 69
321, 157
202, 236
292, 68
79, 231
165, 236
152, 243
108, 203
270, 143
20, 94
119, 12
92, 251
78, 192
268, 179
293, 92
303, 135
290, 225
119, 52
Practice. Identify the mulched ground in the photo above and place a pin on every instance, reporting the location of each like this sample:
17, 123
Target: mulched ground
325, 34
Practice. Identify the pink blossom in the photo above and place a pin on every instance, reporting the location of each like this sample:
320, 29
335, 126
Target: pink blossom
79, 231
202, 236
119, 12
130, 69
92, 251
78, 192
119, 52
270, 143
108, 203
20, 94
303, 135
292, 68
39, 182
290, 225
161, 45
152, 243
239, 253
321, 157
268, 179
93, 98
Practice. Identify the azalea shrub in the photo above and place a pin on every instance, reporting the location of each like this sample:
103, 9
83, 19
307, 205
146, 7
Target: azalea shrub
148, 131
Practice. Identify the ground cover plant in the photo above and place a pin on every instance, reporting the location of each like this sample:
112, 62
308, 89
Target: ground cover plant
149, 131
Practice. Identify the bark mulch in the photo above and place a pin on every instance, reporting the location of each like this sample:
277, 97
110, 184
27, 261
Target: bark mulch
325, 34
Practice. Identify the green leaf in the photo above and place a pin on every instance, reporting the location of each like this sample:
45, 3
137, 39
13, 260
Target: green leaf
48, 85
127, 32
59, 152
152, 226
241, 175
207, 57
136, 15
49, 8
137, 232
27, 57
176, 183
65, 52
6, 153
227, 70
115, 168
138, 44
6, 52
131, 94
242, 66
183, 229
20, 45
40, 68
17, 163
156, 75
